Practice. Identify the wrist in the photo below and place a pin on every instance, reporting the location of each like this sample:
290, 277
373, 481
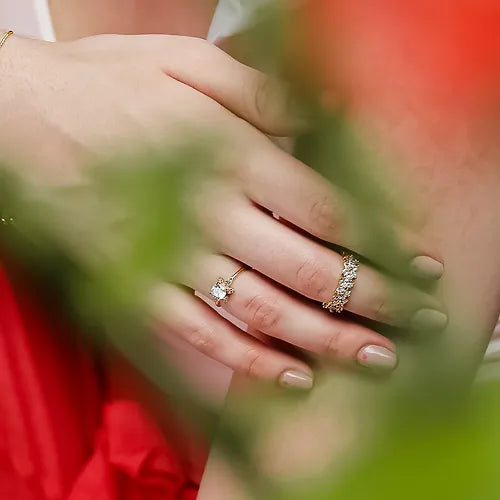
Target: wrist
10, 51
17, 57
6, 37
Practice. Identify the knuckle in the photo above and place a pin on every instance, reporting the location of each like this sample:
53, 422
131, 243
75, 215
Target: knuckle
394, 303
206, 48
203, 338
250, 365
199, 51
380, 308
331, 343
262, 99
378, 296
260, 95
99, 40
263, 313
311, 279
322, 217
202, 42
196, 42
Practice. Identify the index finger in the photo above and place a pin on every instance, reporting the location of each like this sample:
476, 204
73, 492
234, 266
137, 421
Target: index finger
260, 100
282, 184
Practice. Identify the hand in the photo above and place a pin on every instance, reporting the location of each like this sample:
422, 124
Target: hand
87, 98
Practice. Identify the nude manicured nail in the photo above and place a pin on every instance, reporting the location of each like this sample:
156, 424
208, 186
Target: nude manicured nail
378, 357
427, 268
429, 319
296, 380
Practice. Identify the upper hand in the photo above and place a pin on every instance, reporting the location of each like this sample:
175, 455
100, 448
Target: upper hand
89, 97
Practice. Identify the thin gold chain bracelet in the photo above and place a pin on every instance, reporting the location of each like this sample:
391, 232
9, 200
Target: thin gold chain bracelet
5, 219
4, 38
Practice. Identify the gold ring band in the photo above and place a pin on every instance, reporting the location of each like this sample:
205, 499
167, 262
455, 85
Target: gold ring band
5, 37
222, 289
346, 283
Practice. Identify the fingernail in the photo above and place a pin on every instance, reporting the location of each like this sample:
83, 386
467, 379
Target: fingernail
429, 319
427, 268
296, 380
378, 357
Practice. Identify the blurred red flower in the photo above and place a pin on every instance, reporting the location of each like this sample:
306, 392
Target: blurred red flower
425, 74
444, 53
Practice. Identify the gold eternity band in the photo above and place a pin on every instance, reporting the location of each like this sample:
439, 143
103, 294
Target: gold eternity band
347, 280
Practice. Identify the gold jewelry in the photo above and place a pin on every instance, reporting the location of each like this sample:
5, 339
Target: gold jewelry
6, 220
4, 38
347, 280
222, 288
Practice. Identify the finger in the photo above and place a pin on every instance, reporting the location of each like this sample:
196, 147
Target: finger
322, 210
267, 308
191, 319
311, 203
253, 237
331, 214
319, 208
248, 93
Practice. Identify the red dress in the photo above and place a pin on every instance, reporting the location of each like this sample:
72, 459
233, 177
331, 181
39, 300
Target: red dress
65, 432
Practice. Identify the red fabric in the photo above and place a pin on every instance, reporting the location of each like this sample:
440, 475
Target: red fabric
61, 435
131, 461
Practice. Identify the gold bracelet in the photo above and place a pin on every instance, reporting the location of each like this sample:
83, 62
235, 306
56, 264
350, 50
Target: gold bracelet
4, 219
5, 37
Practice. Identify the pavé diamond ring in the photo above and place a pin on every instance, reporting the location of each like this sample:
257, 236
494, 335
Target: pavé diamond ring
222, 289
347, 279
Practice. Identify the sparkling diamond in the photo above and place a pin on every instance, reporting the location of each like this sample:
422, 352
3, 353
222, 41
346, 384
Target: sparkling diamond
218, 292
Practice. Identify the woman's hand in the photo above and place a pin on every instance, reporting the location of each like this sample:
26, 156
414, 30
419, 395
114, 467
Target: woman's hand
76, 102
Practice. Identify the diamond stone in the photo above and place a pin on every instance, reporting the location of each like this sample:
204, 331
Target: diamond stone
218, 292
344, 288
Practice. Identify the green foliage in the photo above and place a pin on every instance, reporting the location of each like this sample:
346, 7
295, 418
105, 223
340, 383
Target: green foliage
102, 246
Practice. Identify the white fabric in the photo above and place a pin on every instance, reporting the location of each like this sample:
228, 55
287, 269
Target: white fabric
232, 16
29, 18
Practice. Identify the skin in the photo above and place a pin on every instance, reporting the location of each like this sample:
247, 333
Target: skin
119, 90
472, 300
448, 151
295, 448
73, 19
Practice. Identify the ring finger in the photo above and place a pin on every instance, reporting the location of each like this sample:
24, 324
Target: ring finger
180, 313
267, 308
293, 260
